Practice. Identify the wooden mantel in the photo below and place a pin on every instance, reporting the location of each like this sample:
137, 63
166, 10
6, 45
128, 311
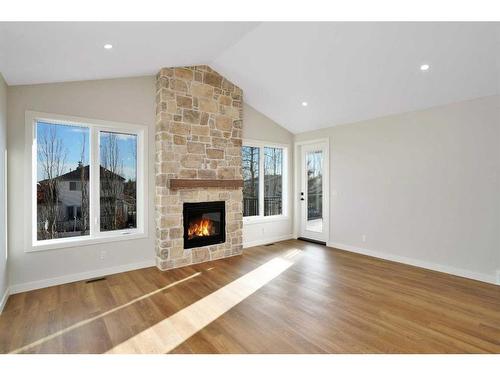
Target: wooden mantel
184, 183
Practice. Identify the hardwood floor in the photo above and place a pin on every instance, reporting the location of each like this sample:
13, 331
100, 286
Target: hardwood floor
290, 297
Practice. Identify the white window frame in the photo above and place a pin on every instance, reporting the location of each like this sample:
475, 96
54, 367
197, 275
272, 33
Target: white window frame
96, 236
284, 204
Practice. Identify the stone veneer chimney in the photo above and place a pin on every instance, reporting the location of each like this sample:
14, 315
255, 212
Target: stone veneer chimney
198, 136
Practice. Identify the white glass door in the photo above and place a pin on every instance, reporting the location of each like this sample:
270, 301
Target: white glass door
313, 194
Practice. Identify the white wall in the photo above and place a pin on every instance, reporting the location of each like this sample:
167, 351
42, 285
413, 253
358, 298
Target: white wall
258, 127
422, 186
3, 147
123, 100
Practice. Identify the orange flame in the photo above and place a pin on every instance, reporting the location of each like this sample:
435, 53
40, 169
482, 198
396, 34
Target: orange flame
200, 228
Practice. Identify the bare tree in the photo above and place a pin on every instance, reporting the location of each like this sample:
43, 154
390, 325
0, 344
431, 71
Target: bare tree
84, 186
130, 188
52, 158
314, 185
111, 183
250, 160
272, 180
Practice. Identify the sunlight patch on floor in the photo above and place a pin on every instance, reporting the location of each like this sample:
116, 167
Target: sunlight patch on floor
174, 330
90, 320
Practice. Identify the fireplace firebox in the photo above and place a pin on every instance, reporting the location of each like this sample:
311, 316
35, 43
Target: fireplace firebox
204, 224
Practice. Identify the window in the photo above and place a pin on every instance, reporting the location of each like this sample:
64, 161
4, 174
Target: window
263, 197
75, 186
273, 181
118, 176
62, 154
250, 166
88, 180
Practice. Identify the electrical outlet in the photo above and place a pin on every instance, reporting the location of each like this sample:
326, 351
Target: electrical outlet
363, 238
102, 255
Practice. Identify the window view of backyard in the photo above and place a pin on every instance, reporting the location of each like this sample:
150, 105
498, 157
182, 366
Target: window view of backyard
63, 181
272, 184
273, 181
250, 165
118, 175
314, 165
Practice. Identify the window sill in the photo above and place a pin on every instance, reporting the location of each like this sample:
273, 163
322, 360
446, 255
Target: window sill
264, 219
79, 241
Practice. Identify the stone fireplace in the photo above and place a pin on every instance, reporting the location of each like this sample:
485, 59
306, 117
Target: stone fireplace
198, 167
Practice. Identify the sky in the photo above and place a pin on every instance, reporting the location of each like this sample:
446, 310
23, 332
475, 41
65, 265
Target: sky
72, 137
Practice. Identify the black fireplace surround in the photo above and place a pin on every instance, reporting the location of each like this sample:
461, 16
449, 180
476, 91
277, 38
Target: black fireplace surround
204, 224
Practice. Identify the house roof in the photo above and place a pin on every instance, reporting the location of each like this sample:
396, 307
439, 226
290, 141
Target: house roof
75, 175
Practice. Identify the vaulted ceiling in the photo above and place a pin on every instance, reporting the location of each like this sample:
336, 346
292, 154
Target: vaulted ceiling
346, 72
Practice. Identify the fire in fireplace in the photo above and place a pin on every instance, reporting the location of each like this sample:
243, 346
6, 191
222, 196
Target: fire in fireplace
204, 224
201, 227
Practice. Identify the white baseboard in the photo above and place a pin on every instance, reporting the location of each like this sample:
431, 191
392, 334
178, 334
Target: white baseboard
419, 263
18, 288
4, 299
498, 277
265, 241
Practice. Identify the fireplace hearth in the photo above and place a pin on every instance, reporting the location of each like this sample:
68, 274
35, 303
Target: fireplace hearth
204, 224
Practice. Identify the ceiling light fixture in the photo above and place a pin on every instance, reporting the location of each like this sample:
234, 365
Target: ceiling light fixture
304, 104
424, 67
108, 46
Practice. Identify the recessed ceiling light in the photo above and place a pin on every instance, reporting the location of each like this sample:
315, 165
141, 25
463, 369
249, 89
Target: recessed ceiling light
108, 46
304, 104
424, 67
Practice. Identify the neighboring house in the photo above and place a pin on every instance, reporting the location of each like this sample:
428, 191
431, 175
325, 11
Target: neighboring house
117, 198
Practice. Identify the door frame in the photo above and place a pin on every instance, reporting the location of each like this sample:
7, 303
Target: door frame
297, 175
